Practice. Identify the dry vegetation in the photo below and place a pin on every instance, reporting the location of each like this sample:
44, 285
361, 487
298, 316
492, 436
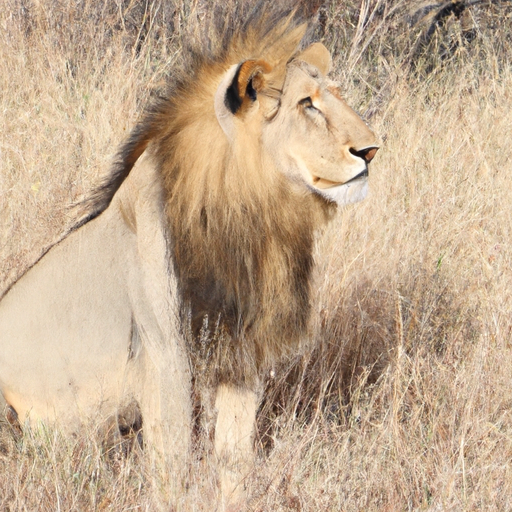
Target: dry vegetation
406, 403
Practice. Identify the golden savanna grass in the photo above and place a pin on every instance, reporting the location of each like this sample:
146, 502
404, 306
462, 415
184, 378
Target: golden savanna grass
406, 401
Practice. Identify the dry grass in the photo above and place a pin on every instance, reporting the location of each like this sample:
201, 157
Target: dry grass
406, 403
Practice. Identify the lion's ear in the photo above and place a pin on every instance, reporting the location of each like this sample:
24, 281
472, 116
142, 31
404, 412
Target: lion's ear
247, 82
317, 55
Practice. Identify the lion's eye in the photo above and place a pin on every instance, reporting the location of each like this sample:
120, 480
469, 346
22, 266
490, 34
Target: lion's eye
307, 103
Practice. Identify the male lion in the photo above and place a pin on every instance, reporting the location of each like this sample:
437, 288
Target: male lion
206, 225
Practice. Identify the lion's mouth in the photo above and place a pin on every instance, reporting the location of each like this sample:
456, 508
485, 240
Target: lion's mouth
323, 183
362, 174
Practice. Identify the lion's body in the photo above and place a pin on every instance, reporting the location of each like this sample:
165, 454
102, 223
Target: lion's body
243, 162
92, 327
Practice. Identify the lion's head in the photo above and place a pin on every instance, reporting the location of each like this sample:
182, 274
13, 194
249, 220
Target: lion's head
308, 131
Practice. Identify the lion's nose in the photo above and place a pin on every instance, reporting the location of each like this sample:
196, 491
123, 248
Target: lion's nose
366, 154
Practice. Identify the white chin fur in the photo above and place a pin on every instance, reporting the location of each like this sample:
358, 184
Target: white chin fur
349, 193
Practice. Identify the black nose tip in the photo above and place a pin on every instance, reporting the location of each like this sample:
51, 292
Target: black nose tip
366, 154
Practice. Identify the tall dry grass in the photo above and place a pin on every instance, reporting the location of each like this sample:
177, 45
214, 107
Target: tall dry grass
405, 402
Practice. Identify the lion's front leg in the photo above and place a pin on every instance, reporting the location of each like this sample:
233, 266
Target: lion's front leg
163, 393
234, 437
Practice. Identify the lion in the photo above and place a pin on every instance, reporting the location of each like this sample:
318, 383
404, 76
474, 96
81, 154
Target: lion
206, 225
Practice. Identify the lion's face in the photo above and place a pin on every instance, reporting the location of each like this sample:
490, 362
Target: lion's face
323, 143
308, 130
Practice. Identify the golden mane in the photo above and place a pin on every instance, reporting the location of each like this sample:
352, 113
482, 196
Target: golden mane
241, 241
